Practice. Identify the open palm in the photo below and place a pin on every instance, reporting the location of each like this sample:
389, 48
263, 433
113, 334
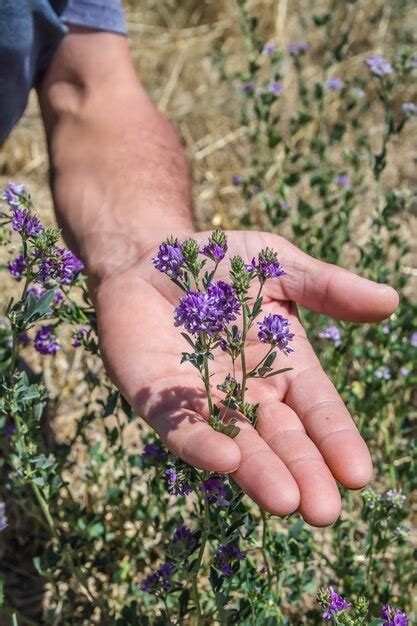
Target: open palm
305, 439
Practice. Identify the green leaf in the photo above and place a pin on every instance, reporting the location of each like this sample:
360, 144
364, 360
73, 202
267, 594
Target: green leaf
188, 340
37, 308
281, 371
257, 308
270, 359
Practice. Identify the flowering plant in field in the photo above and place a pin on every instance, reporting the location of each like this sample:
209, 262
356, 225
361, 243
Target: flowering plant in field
207, 312
123, 532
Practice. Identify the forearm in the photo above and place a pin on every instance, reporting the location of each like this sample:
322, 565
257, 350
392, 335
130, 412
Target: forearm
119, 175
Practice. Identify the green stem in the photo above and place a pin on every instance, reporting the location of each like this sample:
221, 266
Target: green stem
263, 549
204, 536
206, 380
243, 359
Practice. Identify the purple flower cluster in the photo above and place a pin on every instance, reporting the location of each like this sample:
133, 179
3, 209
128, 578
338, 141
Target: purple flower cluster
177, 485
413, 340
159, 580
274, 329
331, 333
153, 453
3, 516
296, 49
170, 259
409, 108
185, 539
215, 249
335, 83
15, 194
227, 558
214, 490
269, 48
25, 223
17, 266
59, 264
275, 88
379, 66
343, 180
267, 266
46, 342
207, 312
78, 337
237, 180
393, 616
334, 605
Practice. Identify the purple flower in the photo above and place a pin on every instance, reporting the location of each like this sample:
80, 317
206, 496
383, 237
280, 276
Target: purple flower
227, 558
71, 266
268, 265
46, 342
9, 429
237, 180
177, 485
214, 490
248, 88
393, 616
59, 264
151, 583
335, 604
170, 259
17, 266
159, 580
331, 333
78, 337
185, 540
154, 453
296, 49
409, 108
14, 193
216, 247
274, 329
269, 48
404, 371
275, 88
207, 312
58, 296
25, 223
343, 180
379, 66
413, 340
3, 517
335, 84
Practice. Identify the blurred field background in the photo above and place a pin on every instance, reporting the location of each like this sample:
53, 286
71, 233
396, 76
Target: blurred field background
173, 44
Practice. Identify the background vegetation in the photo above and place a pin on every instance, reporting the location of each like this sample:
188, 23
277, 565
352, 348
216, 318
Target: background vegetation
290, 151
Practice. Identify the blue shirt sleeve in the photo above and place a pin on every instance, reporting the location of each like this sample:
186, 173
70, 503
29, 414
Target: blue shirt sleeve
100, 14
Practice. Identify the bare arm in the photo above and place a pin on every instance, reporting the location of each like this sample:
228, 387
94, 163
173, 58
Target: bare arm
119, 175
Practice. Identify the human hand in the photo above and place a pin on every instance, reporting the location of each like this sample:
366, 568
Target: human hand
305, 439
